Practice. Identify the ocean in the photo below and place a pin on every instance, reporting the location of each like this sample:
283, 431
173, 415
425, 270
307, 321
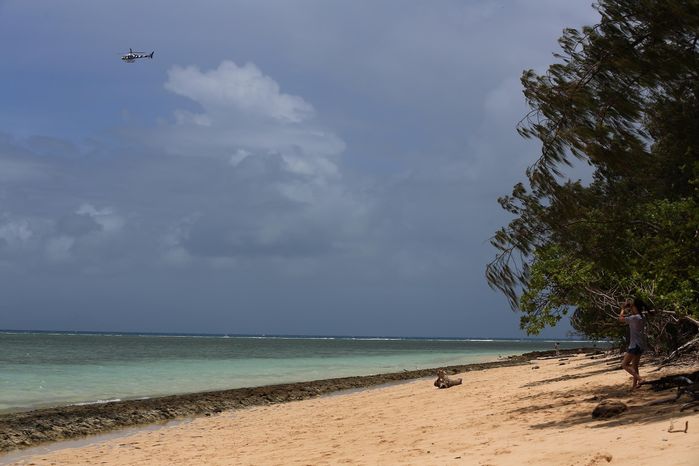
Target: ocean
41, 369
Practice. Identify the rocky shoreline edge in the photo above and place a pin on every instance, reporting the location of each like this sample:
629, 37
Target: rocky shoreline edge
21, 430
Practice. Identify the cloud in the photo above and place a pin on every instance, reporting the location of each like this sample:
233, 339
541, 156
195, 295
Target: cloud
21, 240
60, 249
83, 236
269, 169
242, 88
15, 232
106, 217
75, 224
18, 164
84, 229
248, 121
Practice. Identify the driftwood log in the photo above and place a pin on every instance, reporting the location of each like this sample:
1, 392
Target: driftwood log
444, 381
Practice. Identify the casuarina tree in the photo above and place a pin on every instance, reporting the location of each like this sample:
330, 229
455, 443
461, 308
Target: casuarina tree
622, 98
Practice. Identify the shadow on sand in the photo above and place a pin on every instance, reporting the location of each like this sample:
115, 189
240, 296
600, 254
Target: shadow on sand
640, 410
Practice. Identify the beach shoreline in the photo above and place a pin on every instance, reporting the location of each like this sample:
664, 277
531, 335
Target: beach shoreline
534, 412
24, 429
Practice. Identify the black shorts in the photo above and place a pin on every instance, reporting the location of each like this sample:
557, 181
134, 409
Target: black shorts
637, 350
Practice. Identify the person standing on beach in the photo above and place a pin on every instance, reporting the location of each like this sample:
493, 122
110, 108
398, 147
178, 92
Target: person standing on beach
632, 357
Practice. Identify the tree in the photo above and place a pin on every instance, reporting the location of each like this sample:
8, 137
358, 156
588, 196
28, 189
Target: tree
623, 98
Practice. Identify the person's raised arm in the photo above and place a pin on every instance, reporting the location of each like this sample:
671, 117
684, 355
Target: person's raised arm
624, 306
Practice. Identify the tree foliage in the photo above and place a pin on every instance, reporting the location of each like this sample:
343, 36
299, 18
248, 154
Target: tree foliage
623, 98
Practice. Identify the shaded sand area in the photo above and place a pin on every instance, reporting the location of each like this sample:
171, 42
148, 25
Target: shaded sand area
500, 416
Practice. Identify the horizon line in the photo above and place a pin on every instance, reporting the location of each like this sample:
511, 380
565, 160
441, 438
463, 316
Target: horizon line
282, 335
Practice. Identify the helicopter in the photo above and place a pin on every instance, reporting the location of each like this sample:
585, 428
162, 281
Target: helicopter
132, 56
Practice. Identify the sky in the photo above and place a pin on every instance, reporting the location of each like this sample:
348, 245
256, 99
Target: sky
279, 167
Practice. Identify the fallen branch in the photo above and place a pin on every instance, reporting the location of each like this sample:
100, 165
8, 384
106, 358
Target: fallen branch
691, 344
690, 319
661, 401
689, 405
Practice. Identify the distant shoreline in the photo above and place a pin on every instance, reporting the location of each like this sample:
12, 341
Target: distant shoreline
25, 429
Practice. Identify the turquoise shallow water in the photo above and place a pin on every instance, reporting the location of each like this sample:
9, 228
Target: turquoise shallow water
41, 369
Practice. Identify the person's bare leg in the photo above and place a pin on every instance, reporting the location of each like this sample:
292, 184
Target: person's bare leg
626, 365
634, 364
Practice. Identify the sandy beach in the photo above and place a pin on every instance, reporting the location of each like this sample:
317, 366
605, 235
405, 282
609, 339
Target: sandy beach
499, 416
